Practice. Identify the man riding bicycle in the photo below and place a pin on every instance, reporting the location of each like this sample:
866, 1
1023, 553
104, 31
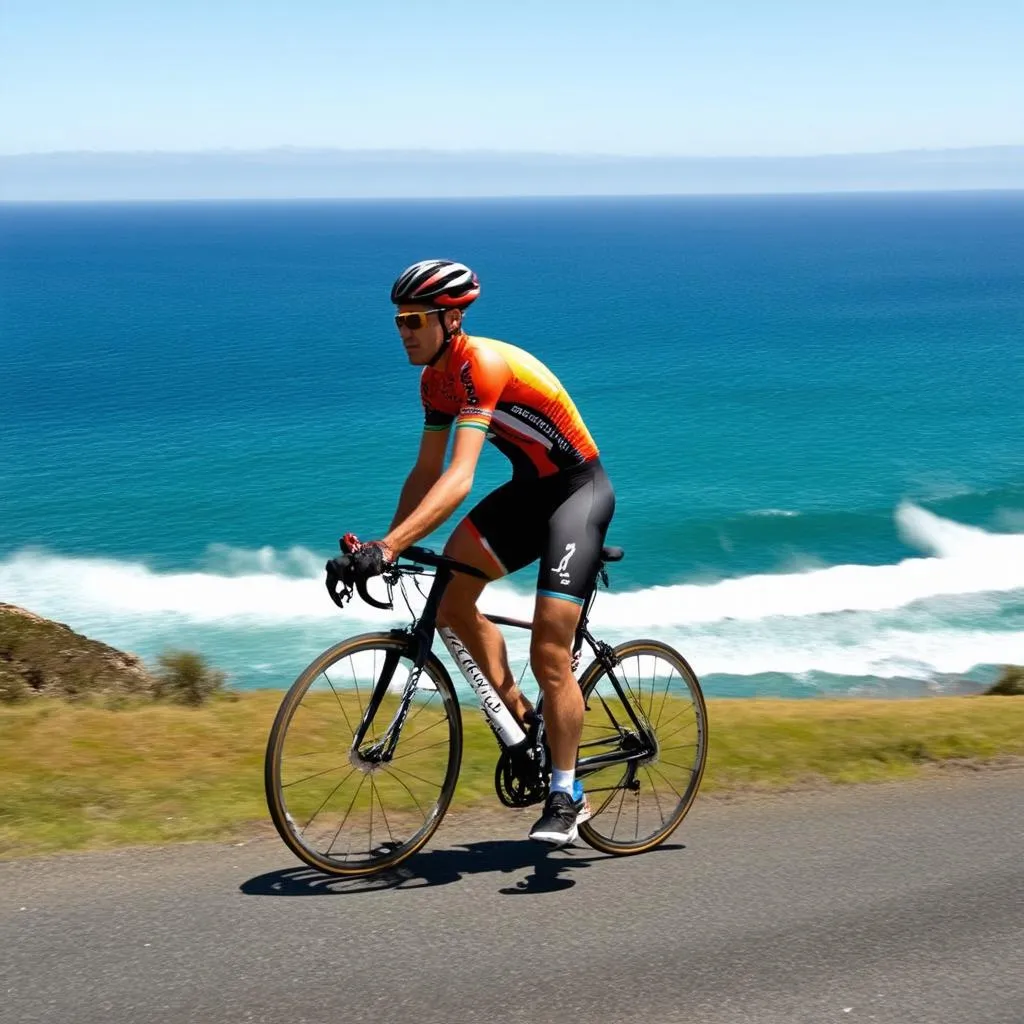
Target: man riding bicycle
556, 507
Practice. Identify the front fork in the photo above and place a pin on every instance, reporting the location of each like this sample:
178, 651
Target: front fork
383, 750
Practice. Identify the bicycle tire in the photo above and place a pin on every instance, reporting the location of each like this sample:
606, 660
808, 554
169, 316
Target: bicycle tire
285, 804
619, 780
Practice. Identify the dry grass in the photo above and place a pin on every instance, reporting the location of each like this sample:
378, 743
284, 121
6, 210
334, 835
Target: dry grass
779, 742
74, 777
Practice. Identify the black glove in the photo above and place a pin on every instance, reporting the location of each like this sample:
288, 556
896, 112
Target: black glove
368, 560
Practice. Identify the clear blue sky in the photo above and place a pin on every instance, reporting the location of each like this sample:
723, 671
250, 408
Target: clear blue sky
726, 77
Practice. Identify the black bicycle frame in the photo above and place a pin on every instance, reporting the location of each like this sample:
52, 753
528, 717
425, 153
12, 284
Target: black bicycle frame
422, 636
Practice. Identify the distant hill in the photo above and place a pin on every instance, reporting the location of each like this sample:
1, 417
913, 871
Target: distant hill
307, 173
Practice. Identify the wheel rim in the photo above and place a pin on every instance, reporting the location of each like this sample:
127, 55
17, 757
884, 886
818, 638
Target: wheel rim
349, 810
637, 806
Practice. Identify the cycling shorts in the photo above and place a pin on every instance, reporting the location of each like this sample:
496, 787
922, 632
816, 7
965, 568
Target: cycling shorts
561, 519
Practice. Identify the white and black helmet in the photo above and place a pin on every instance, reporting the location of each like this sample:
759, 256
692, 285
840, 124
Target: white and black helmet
441, 282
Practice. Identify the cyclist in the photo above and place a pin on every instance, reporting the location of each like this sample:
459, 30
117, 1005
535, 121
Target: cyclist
556, 507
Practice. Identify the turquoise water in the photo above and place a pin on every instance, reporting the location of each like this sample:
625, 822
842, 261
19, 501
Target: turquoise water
810, 408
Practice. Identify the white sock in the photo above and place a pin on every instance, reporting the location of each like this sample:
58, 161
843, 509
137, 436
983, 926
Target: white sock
561, 782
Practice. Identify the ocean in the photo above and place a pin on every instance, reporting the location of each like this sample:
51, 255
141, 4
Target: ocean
811, 408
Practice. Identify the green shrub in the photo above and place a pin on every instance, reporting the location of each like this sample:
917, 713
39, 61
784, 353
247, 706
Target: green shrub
1009, 684
184, 677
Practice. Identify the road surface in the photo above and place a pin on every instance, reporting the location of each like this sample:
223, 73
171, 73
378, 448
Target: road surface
897, 903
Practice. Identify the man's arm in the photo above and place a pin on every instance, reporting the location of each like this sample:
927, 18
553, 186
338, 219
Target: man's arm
444, 496
424, 474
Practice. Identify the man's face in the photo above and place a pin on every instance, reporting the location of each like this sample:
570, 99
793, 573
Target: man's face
421, 343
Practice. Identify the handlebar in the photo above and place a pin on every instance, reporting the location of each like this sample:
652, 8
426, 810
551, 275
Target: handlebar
342, 570
369, 598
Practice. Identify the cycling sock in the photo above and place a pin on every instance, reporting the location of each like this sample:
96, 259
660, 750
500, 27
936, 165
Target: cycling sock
561, 782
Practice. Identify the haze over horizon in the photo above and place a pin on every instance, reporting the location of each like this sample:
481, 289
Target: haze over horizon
138, 99
304, 173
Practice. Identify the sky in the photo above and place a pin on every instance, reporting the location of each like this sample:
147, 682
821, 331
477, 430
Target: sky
647, 77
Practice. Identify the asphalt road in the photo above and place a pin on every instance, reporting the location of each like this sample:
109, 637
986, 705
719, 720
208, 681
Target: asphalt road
895, 903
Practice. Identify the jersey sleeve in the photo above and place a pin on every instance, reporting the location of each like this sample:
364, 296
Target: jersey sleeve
433, 418
484, 376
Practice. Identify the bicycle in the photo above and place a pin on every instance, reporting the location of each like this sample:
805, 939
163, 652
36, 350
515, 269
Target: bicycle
406, 737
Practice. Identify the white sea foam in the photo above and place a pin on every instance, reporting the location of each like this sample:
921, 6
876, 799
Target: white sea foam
966, 560
848, 619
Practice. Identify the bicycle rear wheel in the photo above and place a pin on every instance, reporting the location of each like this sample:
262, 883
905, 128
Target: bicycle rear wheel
649, 720
350, 811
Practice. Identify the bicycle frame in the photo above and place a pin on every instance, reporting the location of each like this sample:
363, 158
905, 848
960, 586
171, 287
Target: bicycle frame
507, 730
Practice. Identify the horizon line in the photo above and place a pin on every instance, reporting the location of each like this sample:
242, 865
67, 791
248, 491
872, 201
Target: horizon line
265, 200
589, 155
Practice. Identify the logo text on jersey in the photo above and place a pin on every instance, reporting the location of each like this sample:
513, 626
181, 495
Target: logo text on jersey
466, 376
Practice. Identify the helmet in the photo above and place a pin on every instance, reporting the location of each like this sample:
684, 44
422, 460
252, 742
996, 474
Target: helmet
442, 282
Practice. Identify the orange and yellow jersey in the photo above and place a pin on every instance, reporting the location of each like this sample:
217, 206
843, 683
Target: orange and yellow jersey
527, 414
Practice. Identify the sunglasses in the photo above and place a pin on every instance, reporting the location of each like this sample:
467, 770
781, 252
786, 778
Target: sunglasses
414, 321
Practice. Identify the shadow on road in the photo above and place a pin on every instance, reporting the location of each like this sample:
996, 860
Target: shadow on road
549, 870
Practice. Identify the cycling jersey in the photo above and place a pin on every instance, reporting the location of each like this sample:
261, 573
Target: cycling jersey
493, 386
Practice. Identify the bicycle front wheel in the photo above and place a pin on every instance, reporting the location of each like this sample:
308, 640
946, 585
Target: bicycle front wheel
356, 810
644, 745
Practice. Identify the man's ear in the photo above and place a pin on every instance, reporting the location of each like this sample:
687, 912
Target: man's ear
453, 318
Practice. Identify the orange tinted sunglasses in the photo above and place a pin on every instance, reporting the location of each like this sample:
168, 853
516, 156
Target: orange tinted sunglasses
414, 321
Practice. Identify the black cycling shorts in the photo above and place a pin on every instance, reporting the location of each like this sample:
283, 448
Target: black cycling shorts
561, 519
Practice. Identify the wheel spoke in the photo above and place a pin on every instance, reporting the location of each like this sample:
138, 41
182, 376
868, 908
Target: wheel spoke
330, 845
327, 800
681, 767
383, 814
680, 715
337, 697
413, 775
403, 784
670, 786
419, 750
654, 791
315, 775
664, 696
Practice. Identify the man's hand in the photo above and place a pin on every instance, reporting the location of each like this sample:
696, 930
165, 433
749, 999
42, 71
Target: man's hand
369, 558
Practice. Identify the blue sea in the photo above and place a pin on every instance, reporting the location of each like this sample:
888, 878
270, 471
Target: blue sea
811, 408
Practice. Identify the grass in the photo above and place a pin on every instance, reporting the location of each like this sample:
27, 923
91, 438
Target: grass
86, 777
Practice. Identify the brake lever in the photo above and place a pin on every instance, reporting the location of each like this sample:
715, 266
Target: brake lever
338, 583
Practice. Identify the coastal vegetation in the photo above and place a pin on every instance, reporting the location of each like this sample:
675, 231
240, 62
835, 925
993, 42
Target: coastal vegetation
1009, 684
97, 751
76, 775
41, 658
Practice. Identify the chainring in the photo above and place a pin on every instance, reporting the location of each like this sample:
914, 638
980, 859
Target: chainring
519, 778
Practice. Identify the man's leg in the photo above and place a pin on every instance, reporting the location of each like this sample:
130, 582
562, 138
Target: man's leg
554, 626
482, 638
572, 553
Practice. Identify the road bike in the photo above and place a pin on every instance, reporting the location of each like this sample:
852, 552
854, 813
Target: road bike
364, 753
